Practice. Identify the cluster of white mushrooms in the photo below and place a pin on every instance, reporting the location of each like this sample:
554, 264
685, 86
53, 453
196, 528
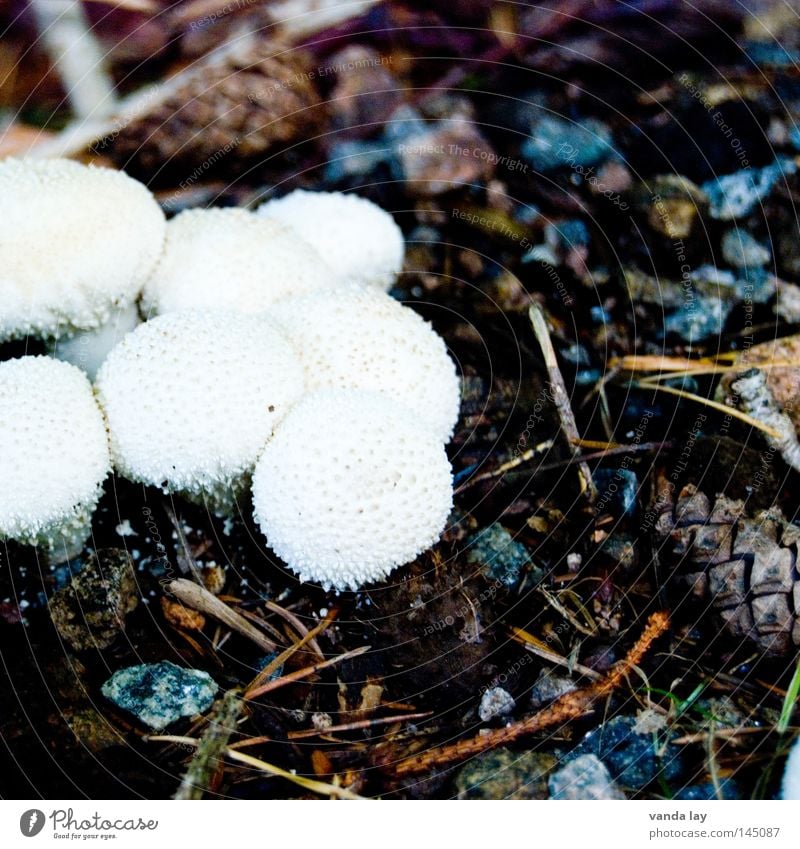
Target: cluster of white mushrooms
271, 359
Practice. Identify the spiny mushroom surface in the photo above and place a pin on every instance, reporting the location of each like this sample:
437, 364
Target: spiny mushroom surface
192, 398
53, 455
77, 243
360, 338
359, 240
231, 259
350, 487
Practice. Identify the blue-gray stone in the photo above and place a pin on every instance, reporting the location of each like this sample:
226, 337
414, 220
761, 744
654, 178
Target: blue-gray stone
701, 318
737, 194
501, 557
558, 143
567, 234
617, 488
585, 777
633, 758
707, 792
741, 250
158, 694
355, 159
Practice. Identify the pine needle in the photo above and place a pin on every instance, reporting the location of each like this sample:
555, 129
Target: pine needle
715, 405
311, 784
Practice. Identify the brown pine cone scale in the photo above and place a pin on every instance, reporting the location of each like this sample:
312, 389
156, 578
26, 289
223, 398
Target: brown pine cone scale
238, 108
744, 567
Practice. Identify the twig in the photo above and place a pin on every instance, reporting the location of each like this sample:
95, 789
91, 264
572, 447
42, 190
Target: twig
560, 395
299, 674
355, 726
185, 560
277, 662
86, 131
296, 623
537, 647
199, 598
315, 786
507, 466
240, 757
205, 764
564, 709
76, 55
715, 405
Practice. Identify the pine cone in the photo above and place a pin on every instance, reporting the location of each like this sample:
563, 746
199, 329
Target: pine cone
744, 567
223, 112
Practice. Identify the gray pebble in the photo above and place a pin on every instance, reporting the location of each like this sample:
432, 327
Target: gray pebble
585, 777
495, 702
159, 694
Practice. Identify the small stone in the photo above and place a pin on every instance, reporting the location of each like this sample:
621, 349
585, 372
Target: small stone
159, 694
504, 774
649, 721
557, 143
447, 156
617, 489
741, 250
496, 702
574, 560
586, 777
701, 318
499, 554
787, 304
673, 205
90, 611
783, 381
548, 687
355, 159
736, 195
321, 721
631, 756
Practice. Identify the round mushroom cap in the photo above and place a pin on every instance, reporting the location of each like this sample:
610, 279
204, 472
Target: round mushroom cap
77, 244
350, 487
192, 398
53, 454
361, 338
231, 259
359, 240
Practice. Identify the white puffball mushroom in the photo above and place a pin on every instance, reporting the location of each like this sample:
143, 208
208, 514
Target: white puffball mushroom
790, 786
358, 239
87, 349
76, 245
53, 455
231, 259
361, 338
350, 487
192, 398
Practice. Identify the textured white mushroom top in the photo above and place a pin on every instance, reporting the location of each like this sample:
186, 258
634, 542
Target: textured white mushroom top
350, 487
76, 242
53, 445
191, 398
361, 338
358, 239
231, 259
